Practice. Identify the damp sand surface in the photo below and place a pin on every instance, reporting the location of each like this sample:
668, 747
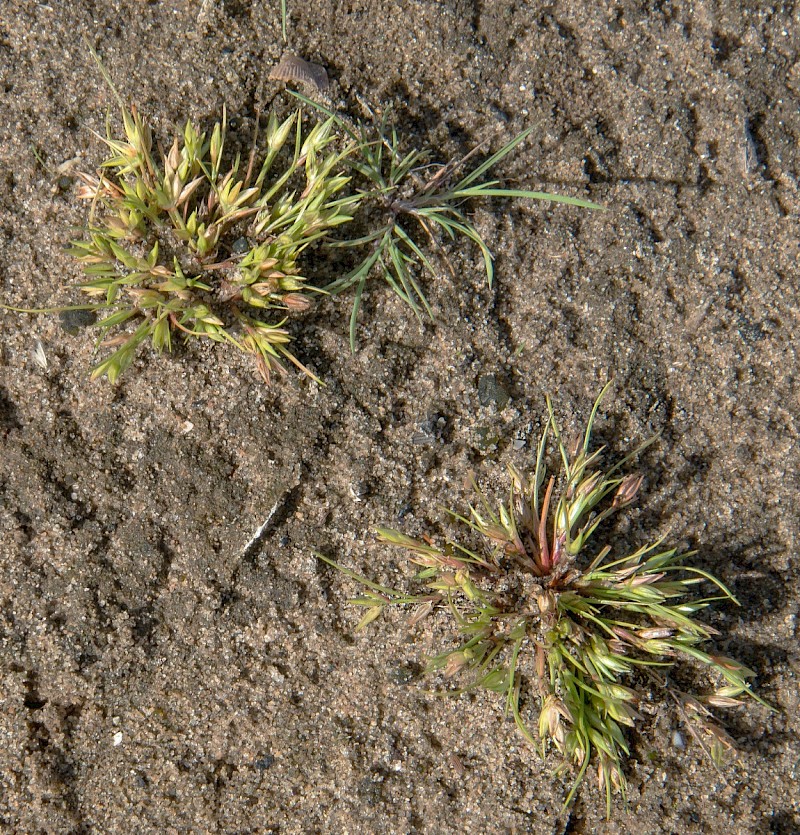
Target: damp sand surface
163, 671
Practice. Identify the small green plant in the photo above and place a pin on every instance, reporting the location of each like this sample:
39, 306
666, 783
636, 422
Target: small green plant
196, 245
403, 204
543, 612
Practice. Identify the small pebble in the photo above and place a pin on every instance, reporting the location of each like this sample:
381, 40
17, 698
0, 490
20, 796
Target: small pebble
400, 675
265, 762
490, 390
486, 438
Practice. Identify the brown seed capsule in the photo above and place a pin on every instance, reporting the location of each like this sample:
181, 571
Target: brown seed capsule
296, 301
291, 68
546, 601
456, 764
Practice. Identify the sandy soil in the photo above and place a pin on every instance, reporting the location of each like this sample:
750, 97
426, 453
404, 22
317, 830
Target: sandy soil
160, 672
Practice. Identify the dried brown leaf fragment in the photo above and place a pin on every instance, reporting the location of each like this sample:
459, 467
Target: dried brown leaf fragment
292, 68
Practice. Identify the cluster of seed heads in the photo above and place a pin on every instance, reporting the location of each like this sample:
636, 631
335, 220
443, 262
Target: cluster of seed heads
559, 625
204, 248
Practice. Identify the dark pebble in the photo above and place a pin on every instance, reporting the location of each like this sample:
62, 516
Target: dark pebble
490, 390
73, 320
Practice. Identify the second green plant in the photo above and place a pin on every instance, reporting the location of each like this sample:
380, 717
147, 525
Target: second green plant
564, 629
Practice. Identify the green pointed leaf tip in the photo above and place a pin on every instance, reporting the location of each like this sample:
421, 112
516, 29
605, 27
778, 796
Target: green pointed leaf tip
578, 627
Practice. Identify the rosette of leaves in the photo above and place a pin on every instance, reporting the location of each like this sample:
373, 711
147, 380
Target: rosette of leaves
546, 615
199, 245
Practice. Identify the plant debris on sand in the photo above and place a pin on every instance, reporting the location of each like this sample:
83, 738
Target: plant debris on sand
544, 606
